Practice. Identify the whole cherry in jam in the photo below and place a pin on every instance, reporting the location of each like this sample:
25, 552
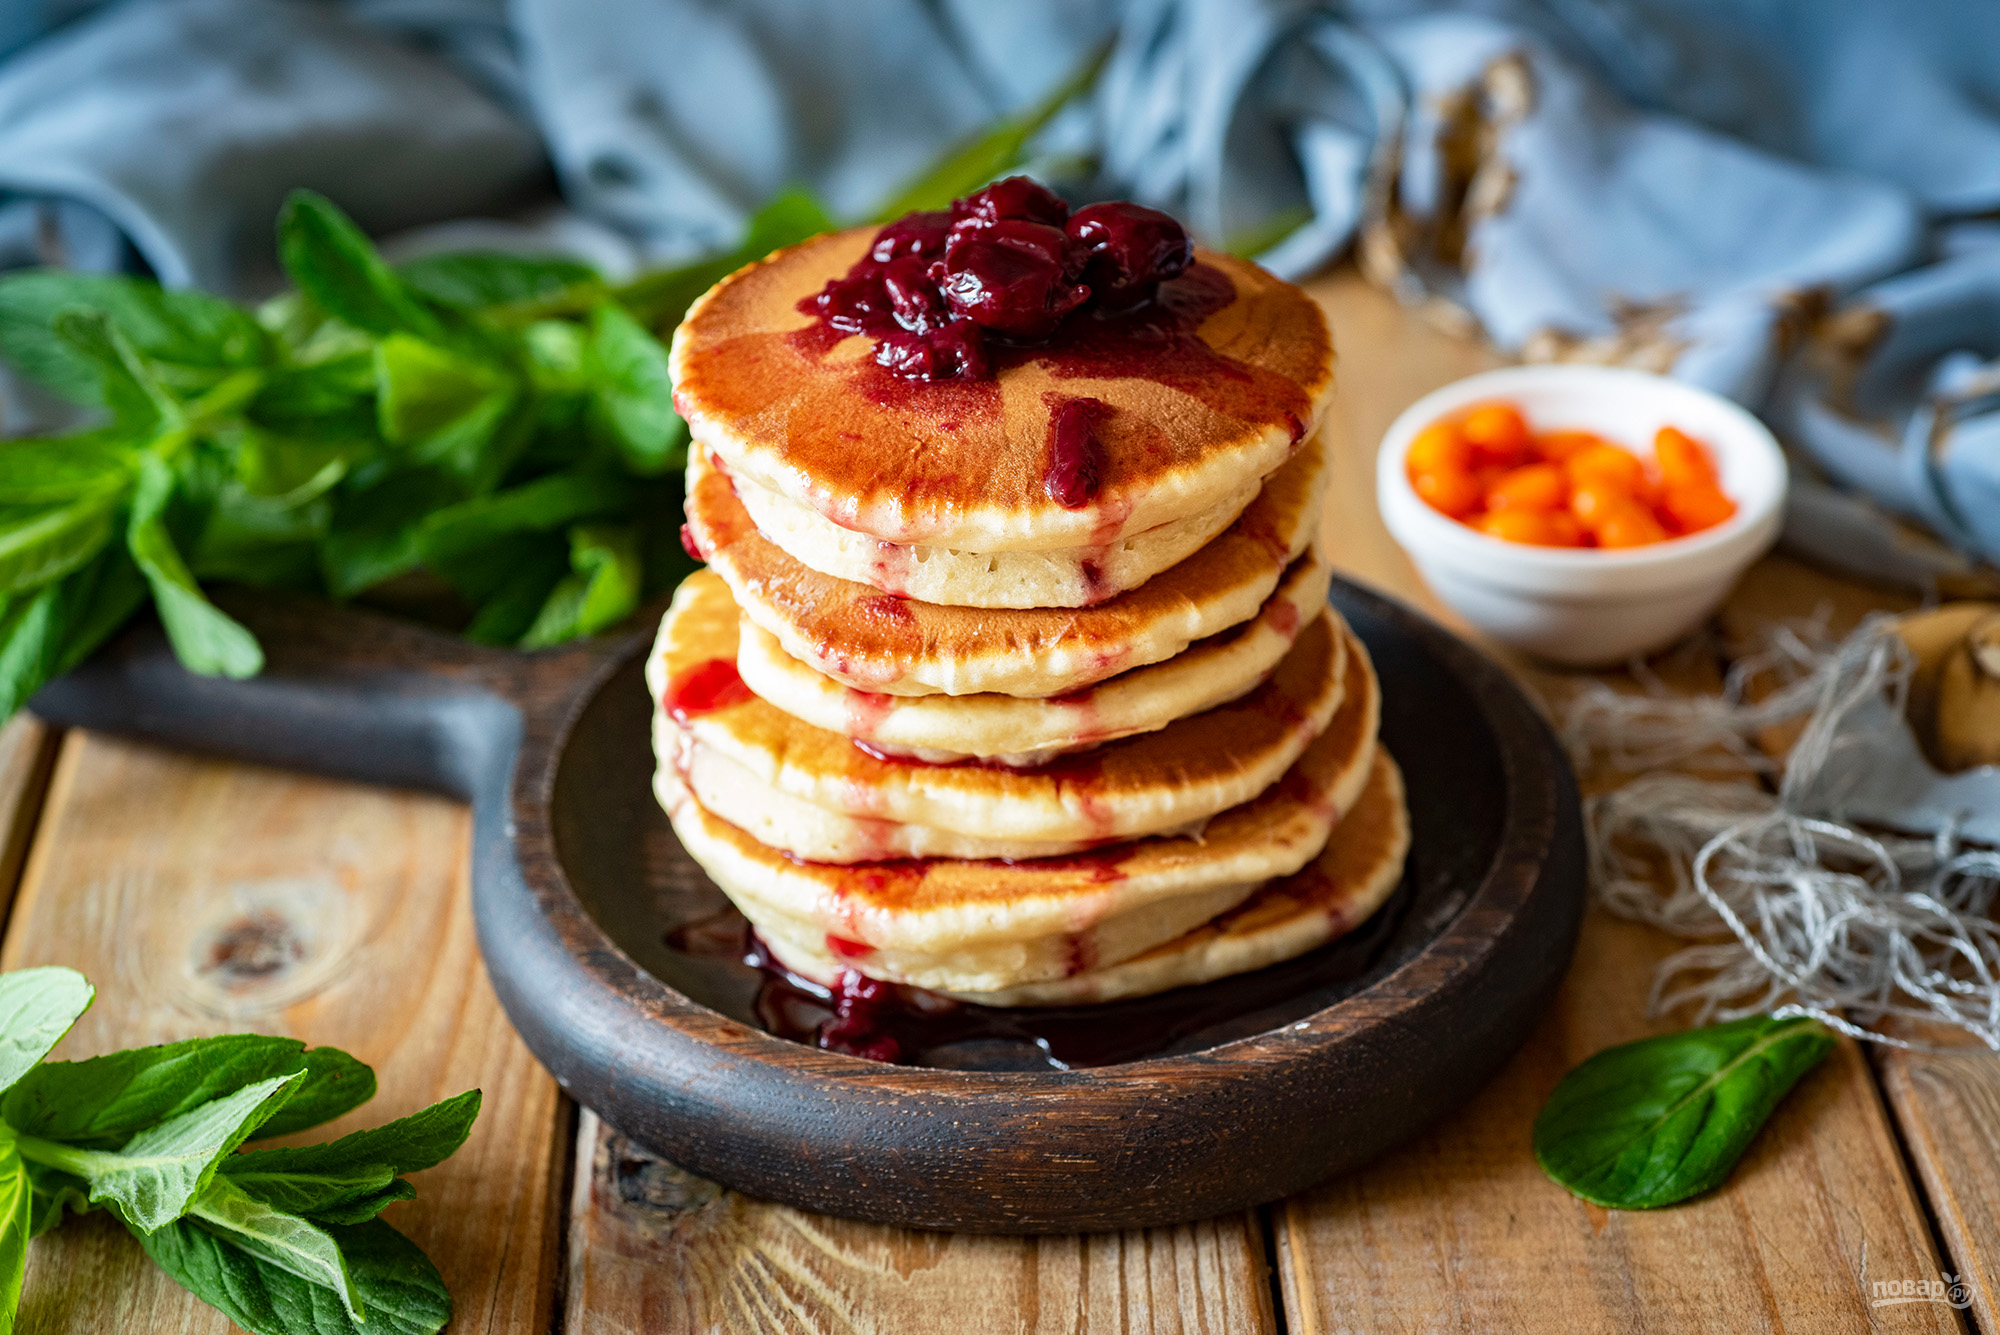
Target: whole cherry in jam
952, 352
1014, 197
1130, 250
1009, 289
919, 235
1009, 261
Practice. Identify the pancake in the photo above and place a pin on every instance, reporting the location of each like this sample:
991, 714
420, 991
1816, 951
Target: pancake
1139, 785
1015, 730
987, 924
803, 829
1357, 871
880, 643
1063, 577
1213, 382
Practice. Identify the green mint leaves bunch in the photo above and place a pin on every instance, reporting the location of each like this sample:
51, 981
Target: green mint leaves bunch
282, 1241
503, 423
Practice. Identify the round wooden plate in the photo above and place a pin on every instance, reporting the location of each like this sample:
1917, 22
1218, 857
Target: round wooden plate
1226, 1096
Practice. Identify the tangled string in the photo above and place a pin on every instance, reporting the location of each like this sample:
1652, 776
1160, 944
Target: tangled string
1798, 914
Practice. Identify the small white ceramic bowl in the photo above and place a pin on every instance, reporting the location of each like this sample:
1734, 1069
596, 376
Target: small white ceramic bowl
1587, 607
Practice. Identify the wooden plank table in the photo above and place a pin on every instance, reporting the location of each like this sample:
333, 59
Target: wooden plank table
205, 897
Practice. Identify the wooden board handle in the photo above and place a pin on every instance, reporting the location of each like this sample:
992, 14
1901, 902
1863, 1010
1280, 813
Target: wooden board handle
346, 692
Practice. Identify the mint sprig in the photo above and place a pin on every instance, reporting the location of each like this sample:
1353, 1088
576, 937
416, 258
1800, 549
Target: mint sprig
284, 1241
503, 424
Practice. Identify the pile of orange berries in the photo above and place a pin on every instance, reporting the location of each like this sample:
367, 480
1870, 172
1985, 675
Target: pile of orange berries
1485, 468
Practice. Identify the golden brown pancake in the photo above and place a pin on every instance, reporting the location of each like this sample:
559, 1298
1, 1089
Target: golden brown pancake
981, 925
1350, 879
806, 411
1021, 731
1139, 785
874, 641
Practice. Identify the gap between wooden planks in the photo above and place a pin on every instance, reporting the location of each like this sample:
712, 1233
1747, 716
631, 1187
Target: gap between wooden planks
204, 897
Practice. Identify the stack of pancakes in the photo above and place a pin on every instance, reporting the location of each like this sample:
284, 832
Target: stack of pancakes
923, 721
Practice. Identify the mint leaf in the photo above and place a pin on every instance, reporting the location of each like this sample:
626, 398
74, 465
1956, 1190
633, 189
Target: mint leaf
31, 637
406, 1145
363, 1208
126, 384
470, 279
37, 1007
39, 470
313, 1192
206, 639
336, 266
422, 390
634, 402
56, 540
398, 1286
95, 601
276, 1238
603, 591
55, 1194
1657, 1121
458, 532
157, 1174
519, 589
183, 328
16, 1227
334, 1084
101, 1102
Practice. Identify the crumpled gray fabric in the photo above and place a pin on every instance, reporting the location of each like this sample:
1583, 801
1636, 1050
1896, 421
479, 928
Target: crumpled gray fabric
1707, 187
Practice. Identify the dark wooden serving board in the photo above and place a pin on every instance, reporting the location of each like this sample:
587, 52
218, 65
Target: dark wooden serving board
1308, 1069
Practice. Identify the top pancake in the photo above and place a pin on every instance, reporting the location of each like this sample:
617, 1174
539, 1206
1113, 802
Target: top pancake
806, 412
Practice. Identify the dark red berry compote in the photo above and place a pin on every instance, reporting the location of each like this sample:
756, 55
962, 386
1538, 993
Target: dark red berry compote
1007, 264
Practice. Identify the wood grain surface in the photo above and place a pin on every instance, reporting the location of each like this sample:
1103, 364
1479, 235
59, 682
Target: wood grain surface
657, 1250
208, 897
141, 861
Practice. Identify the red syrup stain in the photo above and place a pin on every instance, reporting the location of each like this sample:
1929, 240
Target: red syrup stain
703, 689
867, 711
841, 948
890, 570
912, 1026
1284, 618
689, 545
886, 606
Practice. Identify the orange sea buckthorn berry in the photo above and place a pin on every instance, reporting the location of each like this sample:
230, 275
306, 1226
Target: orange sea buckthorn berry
1496, 432
1438, 446
1451, 491
1683, 461
1557, 446
1696, 506
1529, 487
1591, 499
1540, 528
1632, 526
1610, 464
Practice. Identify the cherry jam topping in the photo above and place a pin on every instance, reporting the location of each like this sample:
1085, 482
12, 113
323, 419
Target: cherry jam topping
1008, 262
